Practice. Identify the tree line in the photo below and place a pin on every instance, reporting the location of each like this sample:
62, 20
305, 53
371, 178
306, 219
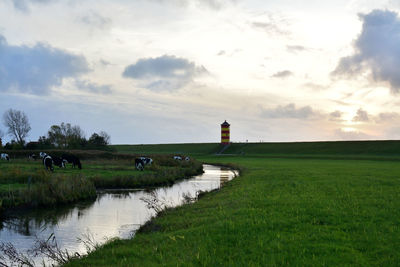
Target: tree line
63, 136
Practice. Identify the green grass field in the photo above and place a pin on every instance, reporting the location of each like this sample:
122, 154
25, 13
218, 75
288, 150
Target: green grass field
181, 149
24, 182
280, 211
340, 149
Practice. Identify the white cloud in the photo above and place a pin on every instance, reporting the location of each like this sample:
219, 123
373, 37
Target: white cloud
289, 111
24, 5
96, 20
91, 87
336, 115
164, 73
387, 117
282, 74
361, 116
37, 69
377, 50
352, 135
296, 48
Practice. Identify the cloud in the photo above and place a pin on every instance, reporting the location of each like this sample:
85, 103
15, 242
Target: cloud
164, 73
269, 27
361, 116
37, 69
377, 50
295, 48
335, 115
315, 86
229, 53
387, 117
221, 53
95, 20
24, 5
88, 86
271, 23
289, 111
282, 74
211, 4
352, 135
104, 63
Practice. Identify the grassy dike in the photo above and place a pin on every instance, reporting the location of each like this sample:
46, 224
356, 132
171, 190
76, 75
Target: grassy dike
280, 211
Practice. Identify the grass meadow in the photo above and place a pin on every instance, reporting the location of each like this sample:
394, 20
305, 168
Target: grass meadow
280, 211
25, 182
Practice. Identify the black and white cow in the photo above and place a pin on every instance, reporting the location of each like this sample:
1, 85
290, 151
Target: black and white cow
141, 162
187, 158
177, 158
58, 161
48, 163
42, 155
71, 159
147, 161
33, 156
5, 156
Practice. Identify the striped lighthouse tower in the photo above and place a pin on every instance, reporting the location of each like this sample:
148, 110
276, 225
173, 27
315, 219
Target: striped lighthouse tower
225, 132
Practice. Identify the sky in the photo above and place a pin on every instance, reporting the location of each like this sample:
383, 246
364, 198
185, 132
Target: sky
171, 71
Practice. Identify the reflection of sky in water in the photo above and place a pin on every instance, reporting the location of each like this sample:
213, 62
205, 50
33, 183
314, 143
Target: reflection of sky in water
111, 215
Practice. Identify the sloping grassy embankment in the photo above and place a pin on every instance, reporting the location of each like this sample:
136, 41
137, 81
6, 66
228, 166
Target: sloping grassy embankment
280, 211
335, 149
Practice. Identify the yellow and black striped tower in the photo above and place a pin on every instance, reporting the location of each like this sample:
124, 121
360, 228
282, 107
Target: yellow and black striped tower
225, 133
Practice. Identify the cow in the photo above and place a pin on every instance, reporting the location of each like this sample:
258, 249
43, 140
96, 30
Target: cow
177, 158
146, 161
48, 163
32, 156
42, 155
187, 159
5, 156
58, 161
139, 164
71, 159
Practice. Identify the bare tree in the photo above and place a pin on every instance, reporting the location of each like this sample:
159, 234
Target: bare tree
18, 124
106, 137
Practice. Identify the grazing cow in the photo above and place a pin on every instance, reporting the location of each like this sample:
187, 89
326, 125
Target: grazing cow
146, 161
177, 158
58, 162
139, 164
42, 155
48, 163
5, 156
32, 156
187, 159
71, 159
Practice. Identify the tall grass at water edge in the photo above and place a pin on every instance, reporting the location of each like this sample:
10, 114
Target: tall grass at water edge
48, 189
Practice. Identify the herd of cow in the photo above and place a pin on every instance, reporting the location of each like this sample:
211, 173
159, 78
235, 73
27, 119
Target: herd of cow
141, 162
49, 161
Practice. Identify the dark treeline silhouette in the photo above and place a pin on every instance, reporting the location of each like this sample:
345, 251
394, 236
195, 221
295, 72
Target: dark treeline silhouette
64, 136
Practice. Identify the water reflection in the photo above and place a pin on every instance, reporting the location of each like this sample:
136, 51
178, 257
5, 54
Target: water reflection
112, 214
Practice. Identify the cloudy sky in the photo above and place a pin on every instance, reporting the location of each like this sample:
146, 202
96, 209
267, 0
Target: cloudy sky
171, 71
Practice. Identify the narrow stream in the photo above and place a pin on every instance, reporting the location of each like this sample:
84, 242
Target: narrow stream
112, 214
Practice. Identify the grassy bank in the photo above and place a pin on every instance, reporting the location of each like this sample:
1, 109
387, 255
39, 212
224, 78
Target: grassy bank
279, 212
25, 182
188, 149
340, 149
